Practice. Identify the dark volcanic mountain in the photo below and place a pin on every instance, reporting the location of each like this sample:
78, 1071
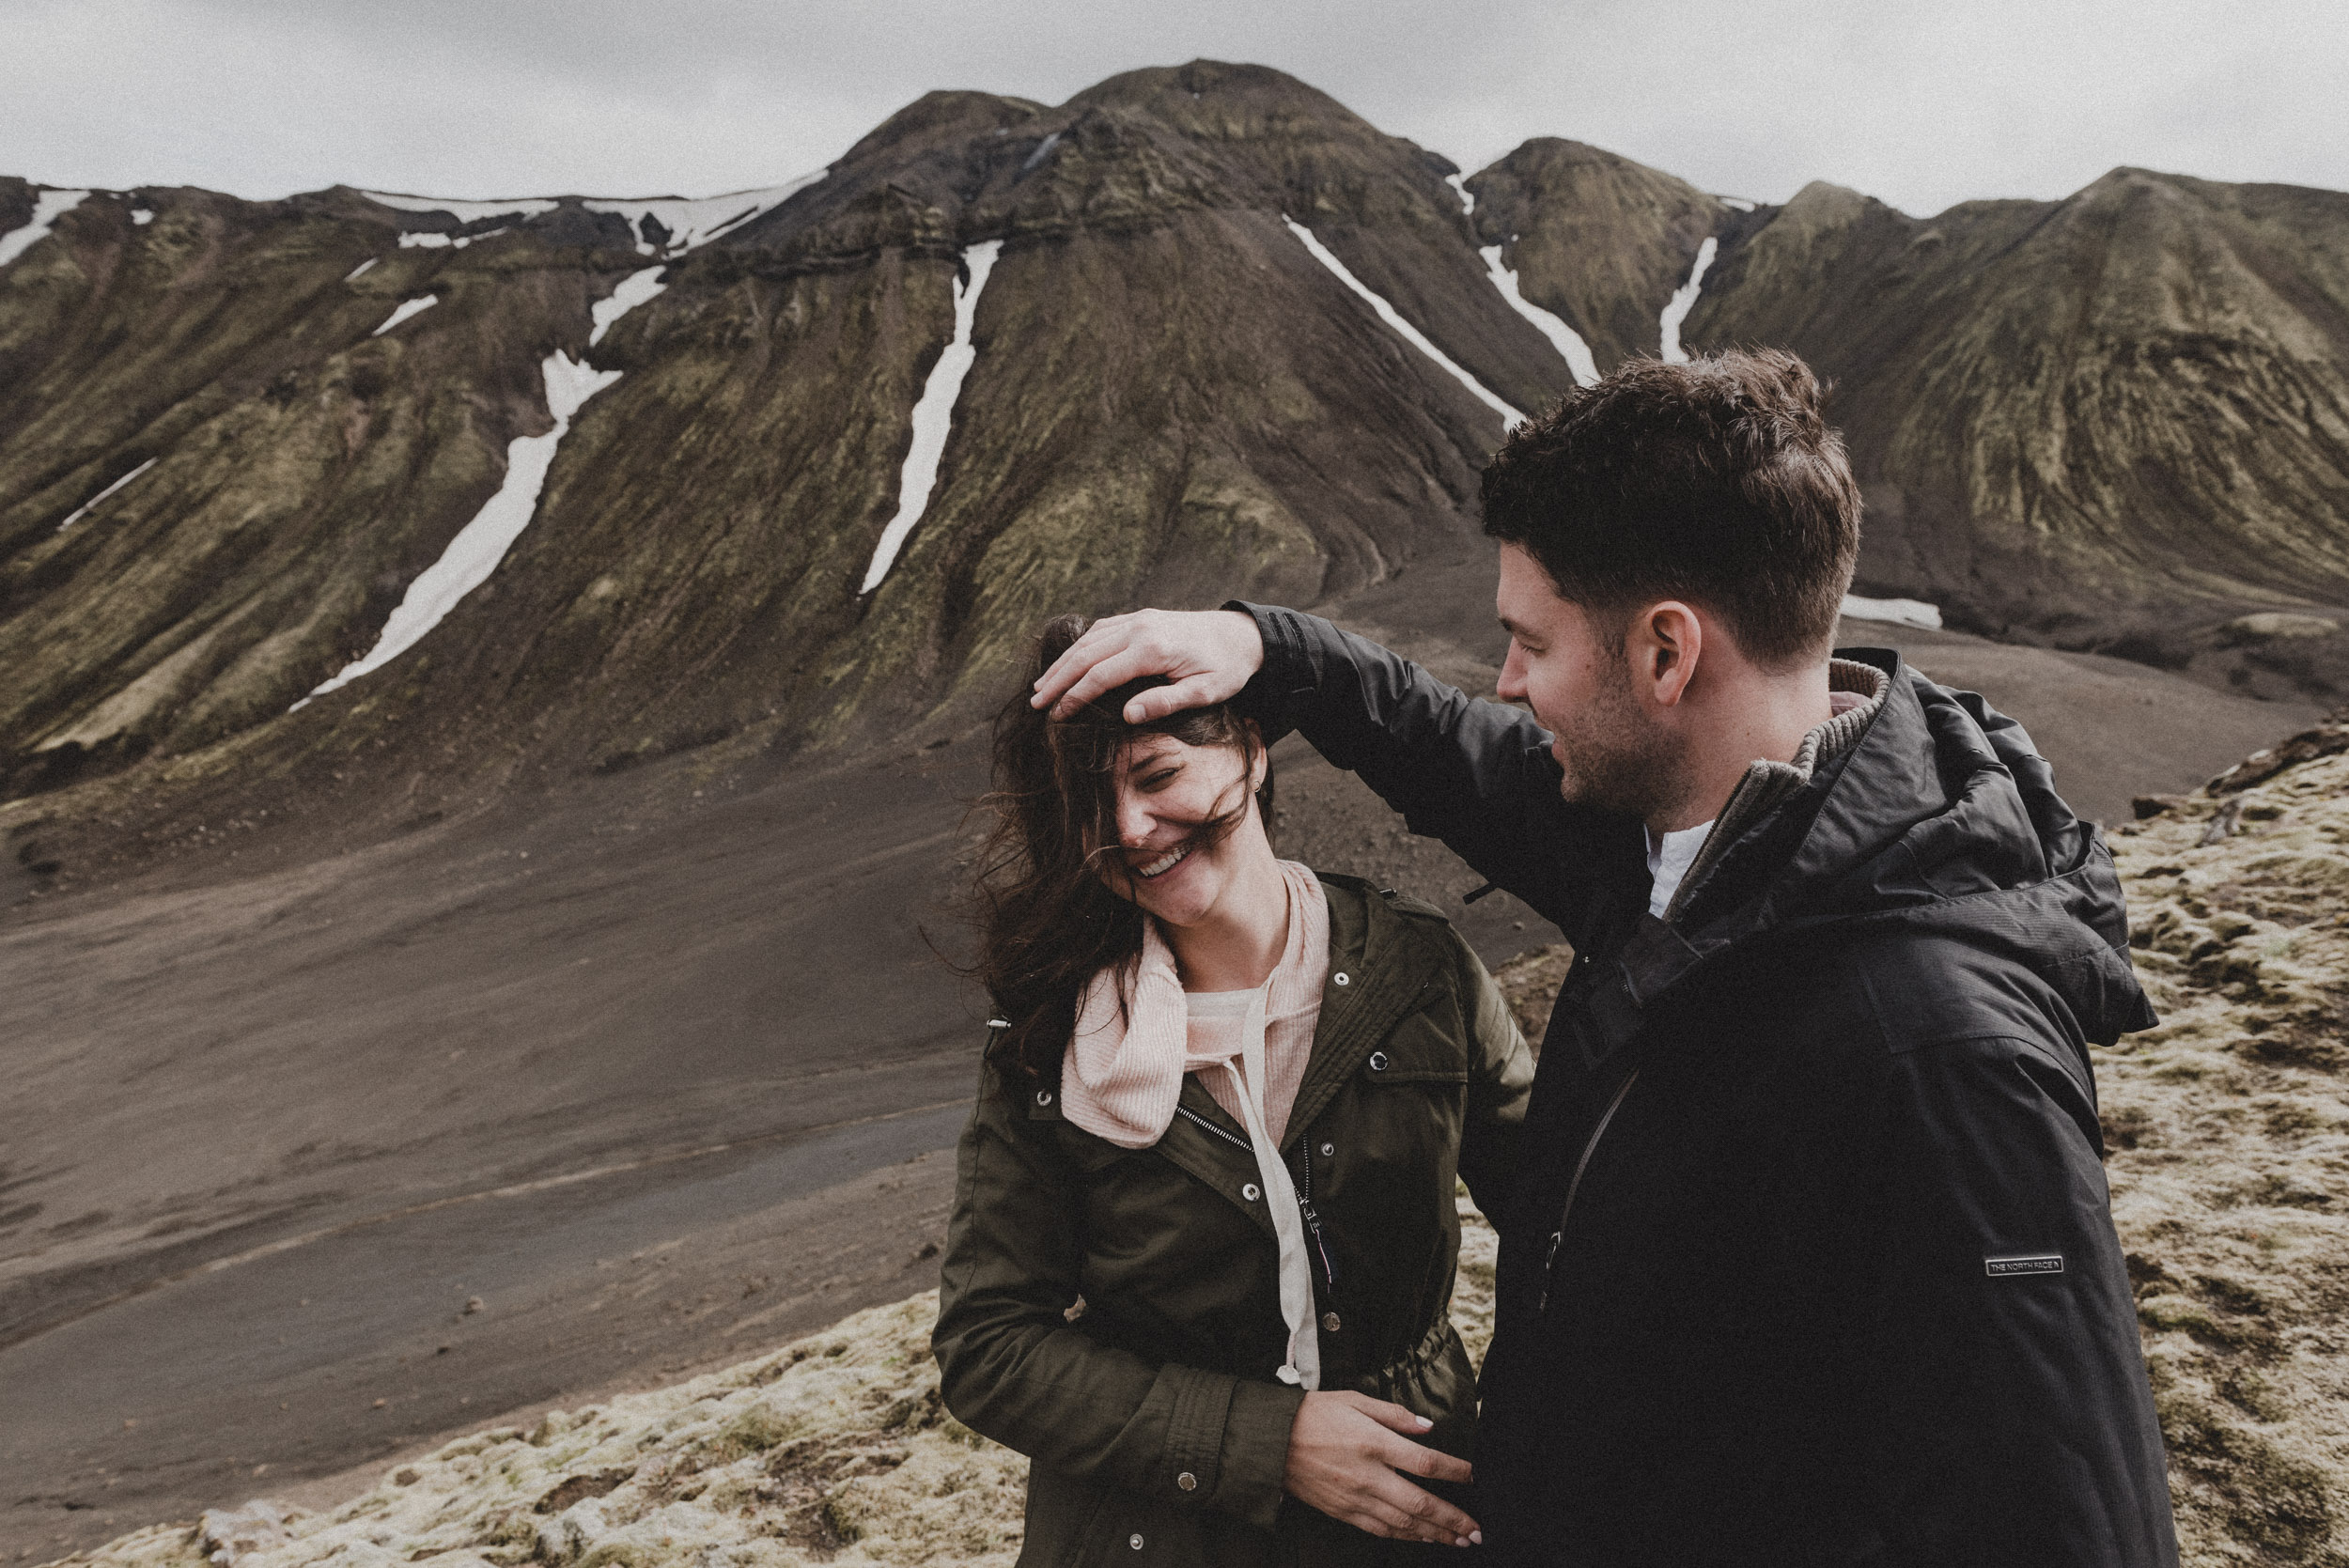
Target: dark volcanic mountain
554, 487
2134, 400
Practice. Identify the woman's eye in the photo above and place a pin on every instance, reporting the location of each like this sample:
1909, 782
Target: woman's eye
1160, 779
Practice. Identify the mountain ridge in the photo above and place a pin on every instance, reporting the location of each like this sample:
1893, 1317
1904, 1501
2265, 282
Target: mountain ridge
1170, 398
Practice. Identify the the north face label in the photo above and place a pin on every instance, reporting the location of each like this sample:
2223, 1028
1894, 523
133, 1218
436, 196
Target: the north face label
2040, 1262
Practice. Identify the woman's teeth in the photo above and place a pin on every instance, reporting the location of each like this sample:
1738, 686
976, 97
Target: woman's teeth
1164, 863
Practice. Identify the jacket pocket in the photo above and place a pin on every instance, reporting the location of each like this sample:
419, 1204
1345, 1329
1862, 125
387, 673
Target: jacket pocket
1076, 1524
1420, 1048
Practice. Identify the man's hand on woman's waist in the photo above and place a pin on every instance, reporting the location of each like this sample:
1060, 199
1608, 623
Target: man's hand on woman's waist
1206, 655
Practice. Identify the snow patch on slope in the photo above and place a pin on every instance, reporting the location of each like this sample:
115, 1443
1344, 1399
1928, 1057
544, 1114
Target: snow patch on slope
463, 212
143, 216
933, 416
405, 309
1740, 203
1564, 338
83, 509
482, 544
1684, 300
47, 208
634, 290
695, 223
353, 276
1900, 611
1510, 418
433, 241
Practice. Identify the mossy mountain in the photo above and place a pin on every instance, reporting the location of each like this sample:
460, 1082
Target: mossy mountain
2076, 420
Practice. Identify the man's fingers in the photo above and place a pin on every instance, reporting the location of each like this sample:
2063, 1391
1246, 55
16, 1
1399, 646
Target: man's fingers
1107, 675
1190, 692
1101, 637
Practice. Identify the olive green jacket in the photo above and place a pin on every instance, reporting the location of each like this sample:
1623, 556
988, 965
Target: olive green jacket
1155, 1426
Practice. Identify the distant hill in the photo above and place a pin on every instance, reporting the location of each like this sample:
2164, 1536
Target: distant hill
367, 507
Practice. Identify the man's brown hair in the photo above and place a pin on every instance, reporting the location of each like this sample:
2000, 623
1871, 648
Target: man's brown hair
1715, 481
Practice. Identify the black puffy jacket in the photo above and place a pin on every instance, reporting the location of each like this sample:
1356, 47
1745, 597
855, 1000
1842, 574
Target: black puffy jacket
1810, 1259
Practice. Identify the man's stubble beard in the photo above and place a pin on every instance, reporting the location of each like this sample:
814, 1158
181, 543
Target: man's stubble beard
1614, 759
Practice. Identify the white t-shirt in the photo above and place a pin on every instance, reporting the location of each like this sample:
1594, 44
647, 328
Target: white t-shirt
1668, 860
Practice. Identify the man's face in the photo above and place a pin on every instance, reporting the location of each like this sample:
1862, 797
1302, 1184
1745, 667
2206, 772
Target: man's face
1568, 667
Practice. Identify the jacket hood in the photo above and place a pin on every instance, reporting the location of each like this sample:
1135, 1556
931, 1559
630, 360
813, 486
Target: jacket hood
1943, 816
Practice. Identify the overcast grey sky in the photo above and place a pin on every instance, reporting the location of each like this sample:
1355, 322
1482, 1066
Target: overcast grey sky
1922, 104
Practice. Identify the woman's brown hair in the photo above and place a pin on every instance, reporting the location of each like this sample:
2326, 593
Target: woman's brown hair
1047, 922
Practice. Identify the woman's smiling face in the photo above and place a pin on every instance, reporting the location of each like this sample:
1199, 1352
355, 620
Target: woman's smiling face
1170, 794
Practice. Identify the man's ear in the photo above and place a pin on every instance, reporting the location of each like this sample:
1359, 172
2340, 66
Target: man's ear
1664, 646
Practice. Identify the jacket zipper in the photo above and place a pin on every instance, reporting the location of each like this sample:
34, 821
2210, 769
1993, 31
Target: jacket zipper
1304, 1191
1550, 1259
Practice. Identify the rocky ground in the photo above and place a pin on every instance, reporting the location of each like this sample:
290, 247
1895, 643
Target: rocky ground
831, 1449
2227, 1131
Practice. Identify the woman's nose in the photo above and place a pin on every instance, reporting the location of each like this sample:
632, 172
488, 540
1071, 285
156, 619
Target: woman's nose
1134, 823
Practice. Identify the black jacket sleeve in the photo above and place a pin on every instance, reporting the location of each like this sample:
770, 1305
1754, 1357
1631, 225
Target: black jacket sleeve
2020, 1426
1477, 775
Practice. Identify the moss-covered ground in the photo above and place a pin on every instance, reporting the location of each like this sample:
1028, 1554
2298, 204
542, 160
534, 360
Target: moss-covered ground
2228, 1136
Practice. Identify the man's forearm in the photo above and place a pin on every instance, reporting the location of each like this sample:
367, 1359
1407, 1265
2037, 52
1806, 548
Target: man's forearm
1477, 775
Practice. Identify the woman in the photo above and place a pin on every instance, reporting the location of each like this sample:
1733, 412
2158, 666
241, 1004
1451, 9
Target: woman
1205, 1232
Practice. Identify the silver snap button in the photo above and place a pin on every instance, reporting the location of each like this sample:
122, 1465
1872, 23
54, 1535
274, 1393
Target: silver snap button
1044, 1096
1330, 1324
1377, 1061
1188, 1482
1329, 1149
1340, 979
1249, 1192
1134, 1541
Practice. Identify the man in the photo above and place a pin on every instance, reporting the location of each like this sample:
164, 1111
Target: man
1810, 1258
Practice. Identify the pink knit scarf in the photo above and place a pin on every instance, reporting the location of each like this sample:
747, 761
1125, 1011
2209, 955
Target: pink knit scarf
1125, 1065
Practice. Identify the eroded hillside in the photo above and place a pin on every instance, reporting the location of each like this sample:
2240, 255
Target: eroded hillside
341, 513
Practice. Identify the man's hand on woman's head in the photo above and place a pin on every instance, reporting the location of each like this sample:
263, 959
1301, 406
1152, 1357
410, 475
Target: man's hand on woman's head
1207, 655
1346, 1459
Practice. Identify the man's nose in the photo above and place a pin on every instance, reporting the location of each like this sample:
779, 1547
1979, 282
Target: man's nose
1512, 686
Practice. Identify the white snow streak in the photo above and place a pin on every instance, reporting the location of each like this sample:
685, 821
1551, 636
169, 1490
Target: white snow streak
933, 416
1043, 150
83, 510
142, 216
463, 212
482, 543
1510, 418
353, 275
634, 290
47, 208
692, 224
1684, 300
1900, 611
433, 242
1740, 203
1564, 338
406, 309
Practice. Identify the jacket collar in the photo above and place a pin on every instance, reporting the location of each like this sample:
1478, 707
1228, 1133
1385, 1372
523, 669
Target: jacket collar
1380, 968
1940, 813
